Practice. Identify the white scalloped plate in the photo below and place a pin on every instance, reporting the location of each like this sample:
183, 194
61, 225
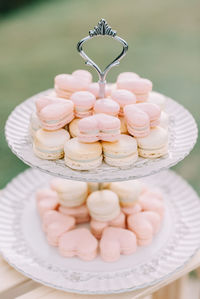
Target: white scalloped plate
24, 246
182, 137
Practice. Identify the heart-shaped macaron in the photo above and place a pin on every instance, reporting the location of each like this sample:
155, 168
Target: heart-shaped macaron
116, 241
66, 84
99, 127
54, 113
78, 242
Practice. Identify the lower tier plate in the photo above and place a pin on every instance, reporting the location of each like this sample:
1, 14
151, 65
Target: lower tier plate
23, 244
182, 137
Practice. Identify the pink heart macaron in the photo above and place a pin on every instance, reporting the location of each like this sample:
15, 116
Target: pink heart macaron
46, 200
123, 97
153, 112
78, 242
138, 122
139, 86
99, 127
83, 103
116, 241
66, 85
107, 106
54, 113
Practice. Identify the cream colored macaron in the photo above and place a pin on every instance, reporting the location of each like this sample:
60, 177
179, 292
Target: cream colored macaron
157, 98
73, 127
127, 191
122, 153
155, 145
123, 127
82, 156
49, 145
103, 205
70, 193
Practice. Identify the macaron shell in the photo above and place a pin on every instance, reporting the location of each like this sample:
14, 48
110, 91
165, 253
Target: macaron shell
140, 226
107, 106
71, 83
81, 213
73, 127
83, 74
78, 242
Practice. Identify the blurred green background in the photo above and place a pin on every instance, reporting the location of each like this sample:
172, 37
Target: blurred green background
38, 41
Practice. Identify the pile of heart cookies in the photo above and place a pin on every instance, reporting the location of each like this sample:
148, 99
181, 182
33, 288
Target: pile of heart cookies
71, 122
121, 217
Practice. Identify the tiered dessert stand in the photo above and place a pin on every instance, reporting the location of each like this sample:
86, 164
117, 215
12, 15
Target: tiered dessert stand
23, 245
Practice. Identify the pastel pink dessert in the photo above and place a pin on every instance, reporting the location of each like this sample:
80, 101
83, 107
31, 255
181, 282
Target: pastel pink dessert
99, 127
78, 242
83, 75
127, 75
66, 85
81, 213
154, 218
123, 97
97, 227
136, 208
107, 106
139, 86
83, 103
151, 203
153, 112
51, 217
58, 227
54, 113
138, 122
46, 200
142, 227
116, 241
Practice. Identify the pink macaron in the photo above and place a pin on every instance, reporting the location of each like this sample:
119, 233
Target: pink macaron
139, 86
127, 75
58, 227
54, 113
117, 241
78, 242
66, 85
83, 75
153, 112
151, 203
99, 127
80, 213
142, 227
53, 216
94, 89
138, 122
123, 97
83, 103
107, 106
46, 200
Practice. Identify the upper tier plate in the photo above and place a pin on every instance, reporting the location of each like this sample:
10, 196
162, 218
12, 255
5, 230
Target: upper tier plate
182, 137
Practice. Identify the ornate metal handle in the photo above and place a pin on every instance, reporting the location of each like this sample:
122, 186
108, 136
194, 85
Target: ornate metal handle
102, 29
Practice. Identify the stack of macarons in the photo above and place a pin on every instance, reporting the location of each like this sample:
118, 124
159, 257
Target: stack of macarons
72, 122
120, 217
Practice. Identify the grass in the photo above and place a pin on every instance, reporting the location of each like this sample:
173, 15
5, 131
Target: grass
39, 42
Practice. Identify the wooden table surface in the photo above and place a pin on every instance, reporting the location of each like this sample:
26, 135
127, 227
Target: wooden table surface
15, 285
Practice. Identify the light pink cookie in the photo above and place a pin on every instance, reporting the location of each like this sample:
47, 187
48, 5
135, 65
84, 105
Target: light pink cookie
99, 127
153, 112
97, 227
81, 213
83, 75
139, 86
142, 227
54, 113
127, 75
50, 217
123, 97
66, 85
138, 122
78, 242
83, 103
132, 209
116, 241
107, 106
46, 200
154, 218
58, 227
151, 203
